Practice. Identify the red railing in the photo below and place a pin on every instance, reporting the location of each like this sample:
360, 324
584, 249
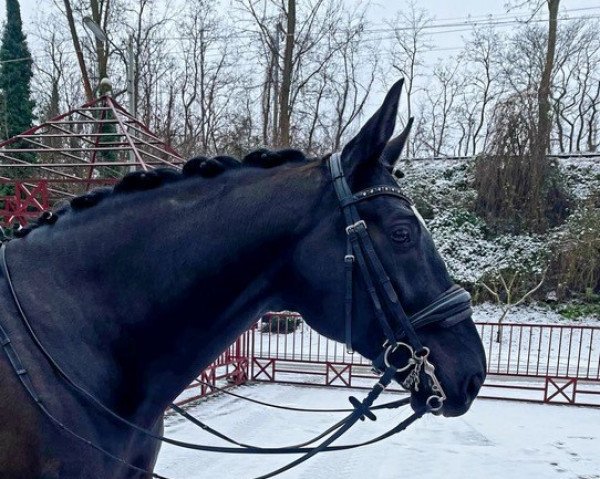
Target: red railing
230, 369
543, 363
28, 198
27, 201
534, 350
531, 362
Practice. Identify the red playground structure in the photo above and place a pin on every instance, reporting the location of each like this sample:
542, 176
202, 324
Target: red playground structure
66, 156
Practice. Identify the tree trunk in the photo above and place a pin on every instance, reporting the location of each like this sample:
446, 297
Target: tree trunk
101, 49
87, 87
542, 143
283, 139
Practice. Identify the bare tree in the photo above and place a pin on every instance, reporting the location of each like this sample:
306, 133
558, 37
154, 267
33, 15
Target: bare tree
481, 88
302, 72
293, 70
504, 287
408, 47
85, 78
147, 25
440, 104
576, 90
542, 138
332, 100
285, 111
207, 83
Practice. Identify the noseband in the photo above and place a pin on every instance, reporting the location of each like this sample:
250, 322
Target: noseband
451, 307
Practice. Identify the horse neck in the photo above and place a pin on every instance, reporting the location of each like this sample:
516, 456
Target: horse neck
149, 303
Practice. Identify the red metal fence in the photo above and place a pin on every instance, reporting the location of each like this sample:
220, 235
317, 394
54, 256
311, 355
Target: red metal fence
543, 363
230, 369
531, 362
24, 200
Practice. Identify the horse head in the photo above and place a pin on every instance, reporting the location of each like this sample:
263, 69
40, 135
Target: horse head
367, 226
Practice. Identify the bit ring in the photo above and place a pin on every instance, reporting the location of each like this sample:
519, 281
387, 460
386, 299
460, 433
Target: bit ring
435, 403
392, 348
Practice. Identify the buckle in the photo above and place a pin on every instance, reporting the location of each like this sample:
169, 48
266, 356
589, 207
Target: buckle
349, 258
435, 402
352, 228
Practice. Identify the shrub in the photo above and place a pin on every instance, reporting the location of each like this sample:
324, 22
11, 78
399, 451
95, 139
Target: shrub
516, 195
518, 190
280, 323
575, 311
575, 268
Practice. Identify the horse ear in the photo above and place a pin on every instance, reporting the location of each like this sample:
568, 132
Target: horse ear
366, 147
393, 150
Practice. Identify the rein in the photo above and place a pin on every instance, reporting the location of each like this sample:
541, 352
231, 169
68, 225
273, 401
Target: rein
453, 306
387, 405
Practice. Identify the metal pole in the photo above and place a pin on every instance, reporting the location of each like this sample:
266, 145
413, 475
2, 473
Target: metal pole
131, 76
130, 65
275, 73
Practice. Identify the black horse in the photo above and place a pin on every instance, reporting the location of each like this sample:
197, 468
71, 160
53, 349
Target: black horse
134, 291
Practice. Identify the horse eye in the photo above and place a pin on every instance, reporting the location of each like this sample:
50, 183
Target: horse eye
401, 235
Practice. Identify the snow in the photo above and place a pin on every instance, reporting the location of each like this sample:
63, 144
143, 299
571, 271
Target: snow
582, 175
494, 440
533, 313
444, 192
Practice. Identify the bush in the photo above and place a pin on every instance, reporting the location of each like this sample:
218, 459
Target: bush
575, 311
518, 188
280, 323
516, 195
575, 269
472, 253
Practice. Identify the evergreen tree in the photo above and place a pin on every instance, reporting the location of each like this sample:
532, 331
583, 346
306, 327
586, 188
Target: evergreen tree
15, 75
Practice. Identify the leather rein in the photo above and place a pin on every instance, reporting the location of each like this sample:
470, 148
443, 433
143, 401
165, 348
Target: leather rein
451, 307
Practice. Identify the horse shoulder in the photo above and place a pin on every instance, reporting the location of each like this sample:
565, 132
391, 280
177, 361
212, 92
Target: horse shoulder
20, 439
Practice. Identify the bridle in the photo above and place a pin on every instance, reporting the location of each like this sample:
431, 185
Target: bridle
450, 308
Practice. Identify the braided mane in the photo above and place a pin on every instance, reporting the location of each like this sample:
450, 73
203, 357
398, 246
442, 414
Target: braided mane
148, 180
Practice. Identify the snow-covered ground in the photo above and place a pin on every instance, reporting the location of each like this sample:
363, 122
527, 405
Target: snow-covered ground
444, 191
529, 313
495, 440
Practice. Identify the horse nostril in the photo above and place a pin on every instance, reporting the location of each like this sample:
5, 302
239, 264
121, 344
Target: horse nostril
472, 387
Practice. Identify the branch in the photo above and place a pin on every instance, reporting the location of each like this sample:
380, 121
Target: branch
491, 291
529, 293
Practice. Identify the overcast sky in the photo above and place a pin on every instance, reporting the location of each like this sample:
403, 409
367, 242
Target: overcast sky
380, 10
445, 43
